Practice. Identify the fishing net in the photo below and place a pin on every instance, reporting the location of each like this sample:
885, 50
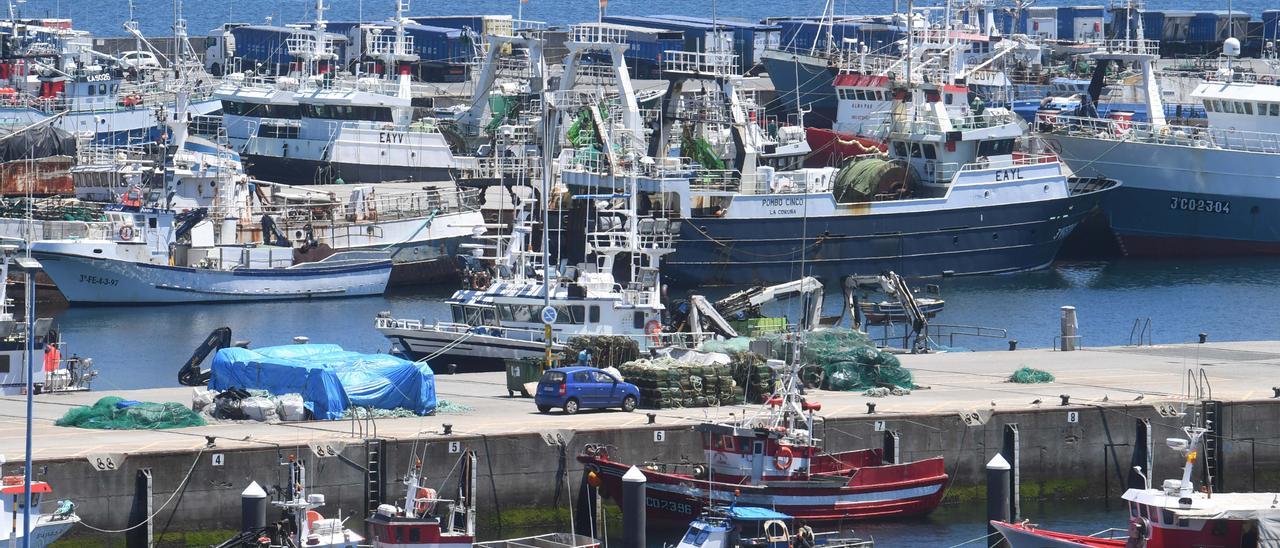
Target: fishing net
1028, 375
843, 360
114, 413
666, 383
606, 350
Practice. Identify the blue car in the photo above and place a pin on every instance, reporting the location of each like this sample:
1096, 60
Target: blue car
574, 388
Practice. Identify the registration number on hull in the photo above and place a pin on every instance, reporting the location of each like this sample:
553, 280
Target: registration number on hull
1195, 204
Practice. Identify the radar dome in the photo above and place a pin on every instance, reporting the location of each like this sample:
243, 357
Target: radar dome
1231, 47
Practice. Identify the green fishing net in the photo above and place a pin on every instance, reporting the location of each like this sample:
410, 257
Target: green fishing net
108, 414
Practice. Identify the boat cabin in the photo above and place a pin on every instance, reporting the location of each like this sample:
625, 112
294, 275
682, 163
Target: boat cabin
1241, 107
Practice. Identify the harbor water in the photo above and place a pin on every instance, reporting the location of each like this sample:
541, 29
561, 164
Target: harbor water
1180, 298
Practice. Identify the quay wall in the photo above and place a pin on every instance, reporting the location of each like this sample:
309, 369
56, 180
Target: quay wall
1060, 459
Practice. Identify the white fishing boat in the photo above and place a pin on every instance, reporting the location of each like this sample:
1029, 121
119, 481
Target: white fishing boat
333, 128
1187, 190
47, 526
161, 255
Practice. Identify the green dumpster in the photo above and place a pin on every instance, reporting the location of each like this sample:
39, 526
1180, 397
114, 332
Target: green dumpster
523, 375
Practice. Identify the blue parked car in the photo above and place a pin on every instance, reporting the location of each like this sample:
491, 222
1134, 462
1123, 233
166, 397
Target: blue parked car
574, 388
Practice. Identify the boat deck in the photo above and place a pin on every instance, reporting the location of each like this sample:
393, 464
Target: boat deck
966, 381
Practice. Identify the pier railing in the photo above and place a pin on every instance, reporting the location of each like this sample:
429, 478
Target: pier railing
1123, 46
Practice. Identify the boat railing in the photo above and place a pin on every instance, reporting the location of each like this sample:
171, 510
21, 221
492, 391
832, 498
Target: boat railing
711, 63
504, 166
390, 44
1017, 160
235, 257
1130, 46
1145, 132
386, 206
594, 33
942, 171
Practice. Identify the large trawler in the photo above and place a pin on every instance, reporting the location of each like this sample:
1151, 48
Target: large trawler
323, 128
960, 191
1187, 190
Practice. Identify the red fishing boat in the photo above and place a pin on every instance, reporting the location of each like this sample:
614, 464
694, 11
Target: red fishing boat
774, 460
1174, 516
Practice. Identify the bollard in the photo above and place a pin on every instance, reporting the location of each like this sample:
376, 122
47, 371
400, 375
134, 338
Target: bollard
1069, 328
1013, 344
1066, 399
653, 417
633, 508
998, 472
448, 429
1204, 337
871, 408
253, 508
453, 368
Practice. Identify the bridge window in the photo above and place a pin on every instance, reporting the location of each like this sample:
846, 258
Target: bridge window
347, 112
93, 90
997, 147
1228, 107
1208, 105
595, 314
1248, 107
1275, 109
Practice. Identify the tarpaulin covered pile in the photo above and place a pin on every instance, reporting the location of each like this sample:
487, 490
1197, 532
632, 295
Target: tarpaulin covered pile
330, 379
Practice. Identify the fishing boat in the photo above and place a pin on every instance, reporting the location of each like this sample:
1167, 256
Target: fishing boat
46, 527
319, 129
165, 254
505, 316
1187, 190
425, 520
775, 460
959, 192
56, 369
1176, 515
748, 526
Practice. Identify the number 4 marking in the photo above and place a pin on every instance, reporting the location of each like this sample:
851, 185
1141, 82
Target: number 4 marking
218, 459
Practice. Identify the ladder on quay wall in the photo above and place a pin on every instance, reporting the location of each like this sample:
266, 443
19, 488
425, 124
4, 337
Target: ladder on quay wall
375, 470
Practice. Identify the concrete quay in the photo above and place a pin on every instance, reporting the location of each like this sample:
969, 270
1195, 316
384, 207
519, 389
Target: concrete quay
526, 459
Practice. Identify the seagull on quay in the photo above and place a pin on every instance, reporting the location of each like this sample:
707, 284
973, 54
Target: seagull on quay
1139, 398
1036, 402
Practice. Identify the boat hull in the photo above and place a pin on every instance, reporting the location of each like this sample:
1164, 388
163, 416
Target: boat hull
809, 76
1019, 536
305, 171
471, 351
831, 148
1180, 201
907, 490
962, 241
86, 280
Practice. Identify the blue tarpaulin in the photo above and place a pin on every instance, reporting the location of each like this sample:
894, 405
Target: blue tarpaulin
329, 378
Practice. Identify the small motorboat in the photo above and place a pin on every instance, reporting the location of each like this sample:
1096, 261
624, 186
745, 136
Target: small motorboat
45, 527
749, 526
1176, 515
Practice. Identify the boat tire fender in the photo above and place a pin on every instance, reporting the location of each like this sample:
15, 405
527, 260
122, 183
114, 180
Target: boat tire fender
1139, 528
126, 233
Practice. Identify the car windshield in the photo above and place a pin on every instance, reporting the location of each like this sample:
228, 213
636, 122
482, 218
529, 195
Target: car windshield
552, 377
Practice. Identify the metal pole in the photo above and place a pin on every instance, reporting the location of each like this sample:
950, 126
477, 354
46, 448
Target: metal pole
30, 281
633, 508
998, 472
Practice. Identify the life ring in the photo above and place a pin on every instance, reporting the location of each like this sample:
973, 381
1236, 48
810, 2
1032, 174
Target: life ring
782, 460
654, 330
126, 233
425, 502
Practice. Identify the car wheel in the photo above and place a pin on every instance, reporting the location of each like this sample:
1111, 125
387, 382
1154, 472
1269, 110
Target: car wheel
571, 407
544, 408
629, 404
